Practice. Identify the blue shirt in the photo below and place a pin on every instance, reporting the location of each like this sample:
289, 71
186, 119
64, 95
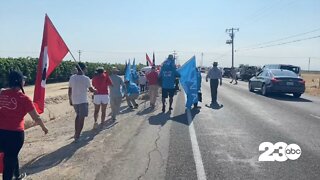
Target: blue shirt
168, 77
132, 88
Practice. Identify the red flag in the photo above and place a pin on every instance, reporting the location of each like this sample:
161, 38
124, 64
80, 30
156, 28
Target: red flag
53, 50
148, 59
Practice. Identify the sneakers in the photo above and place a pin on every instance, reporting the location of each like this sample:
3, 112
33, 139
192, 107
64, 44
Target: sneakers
22, 176
95, 125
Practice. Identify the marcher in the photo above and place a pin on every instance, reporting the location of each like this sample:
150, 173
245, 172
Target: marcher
132, 93
115, 93
14, 105
233, 73
152, 77
101, 81
142, 81
199, 79
78, 87
167, 76
214, 74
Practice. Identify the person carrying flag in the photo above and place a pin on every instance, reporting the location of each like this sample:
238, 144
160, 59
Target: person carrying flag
14, 105
167, 76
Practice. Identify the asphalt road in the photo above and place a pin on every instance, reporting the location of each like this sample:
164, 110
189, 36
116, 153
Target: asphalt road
228, 136
220, 142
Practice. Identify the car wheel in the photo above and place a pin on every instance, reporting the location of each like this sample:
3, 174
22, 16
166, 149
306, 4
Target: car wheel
264, 90
250, 87
296, 95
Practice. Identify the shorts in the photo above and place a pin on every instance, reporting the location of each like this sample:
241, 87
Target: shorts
81, 109
101, 99
166, 92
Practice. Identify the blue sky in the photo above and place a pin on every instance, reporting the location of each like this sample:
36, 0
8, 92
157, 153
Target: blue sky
116, 30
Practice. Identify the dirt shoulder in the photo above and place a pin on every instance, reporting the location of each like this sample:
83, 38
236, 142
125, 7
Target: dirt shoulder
126, 143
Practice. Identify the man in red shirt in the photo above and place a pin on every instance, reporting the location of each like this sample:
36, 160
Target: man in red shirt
152, 78
101, 81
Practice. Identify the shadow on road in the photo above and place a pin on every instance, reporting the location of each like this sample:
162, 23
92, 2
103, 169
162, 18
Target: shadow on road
284, 97
162, 118
214, 106
47, 161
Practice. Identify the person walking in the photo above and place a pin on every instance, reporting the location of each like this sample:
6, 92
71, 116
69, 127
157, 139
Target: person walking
142, 81
152, 77
115, 93
214, 74
14, 105
167, 76
78, 87
101, 81
132, 93
233, 74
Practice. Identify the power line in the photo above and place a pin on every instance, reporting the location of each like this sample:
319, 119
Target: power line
289, 42
288, 37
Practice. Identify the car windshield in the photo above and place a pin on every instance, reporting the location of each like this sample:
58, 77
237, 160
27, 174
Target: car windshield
288, 73
290, 68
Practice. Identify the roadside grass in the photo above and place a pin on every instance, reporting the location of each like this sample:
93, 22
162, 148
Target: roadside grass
312, 83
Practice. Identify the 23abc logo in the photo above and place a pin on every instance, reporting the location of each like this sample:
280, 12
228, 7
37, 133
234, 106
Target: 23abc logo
279, 151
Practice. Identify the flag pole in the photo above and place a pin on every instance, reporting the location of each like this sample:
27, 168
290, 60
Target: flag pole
75, 61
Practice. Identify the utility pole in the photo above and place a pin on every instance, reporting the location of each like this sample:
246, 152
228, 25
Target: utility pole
79, 51
231, 32
175, 57
201, 64
309, 64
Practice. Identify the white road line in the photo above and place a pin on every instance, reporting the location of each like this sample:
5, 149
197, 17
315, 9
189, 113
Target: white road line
195, 148
318, 117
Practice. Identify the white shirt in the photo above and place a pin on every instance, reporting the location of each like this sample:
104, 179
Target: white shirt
79, 85
142, 80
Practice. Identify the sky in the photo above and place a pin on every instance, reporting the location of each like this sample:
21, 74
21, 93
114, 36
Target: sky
113, 31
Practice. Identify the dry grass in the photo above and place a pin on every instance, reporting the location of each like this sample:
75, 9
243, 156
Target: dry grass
312, 83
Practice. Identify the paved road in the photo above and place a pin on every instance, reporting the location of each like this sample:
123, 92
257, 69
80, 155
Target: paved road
213, 143
229, 136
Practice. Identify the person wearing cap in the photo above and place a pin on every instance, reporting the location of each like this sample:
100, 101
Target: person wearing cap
214, 74
78, 87
152, 77
167, 76
115, 92
14, 105
101, 81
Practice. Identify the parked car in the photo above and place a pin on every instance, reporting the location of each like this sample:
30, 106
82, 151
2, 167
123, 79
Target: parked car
277, 81
226, 72
295, 69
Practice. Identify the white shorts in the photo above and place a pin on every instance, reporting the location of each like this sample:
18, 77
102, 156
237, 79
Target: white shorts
101, 99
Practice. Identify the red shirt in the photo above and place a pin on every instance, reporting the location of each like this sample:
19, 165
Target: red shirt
152, 78
14, 105
101, 83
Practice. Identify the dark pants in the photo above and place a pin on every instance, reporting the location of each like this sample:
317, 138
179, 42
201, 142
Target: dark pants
10, 144
214, 89
142, 87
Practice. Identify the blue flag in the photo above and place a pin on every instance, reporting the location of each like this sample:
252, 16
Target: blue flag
188, 80
127, 75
